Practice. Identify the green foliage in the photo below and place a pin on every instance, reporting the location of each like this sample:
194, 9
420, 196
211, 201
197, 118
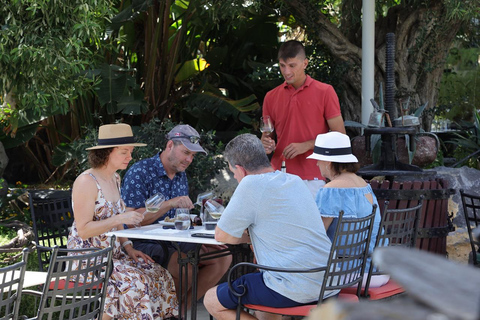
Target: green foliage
458, 94
467, 150
12, 208
153, 133
45, 49
118, 92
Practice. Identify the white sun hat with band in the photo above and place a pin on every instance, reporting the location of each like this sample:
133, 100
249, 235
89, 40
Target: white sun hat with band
334, 147
115, 135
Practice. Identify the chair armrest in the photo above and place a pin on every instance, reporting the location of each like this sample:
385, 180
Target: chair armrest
268, 268
32, 292
60, 249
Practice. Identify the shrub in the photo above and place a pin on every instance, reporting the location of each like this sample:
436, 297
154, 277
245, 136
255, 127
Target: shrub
153, 133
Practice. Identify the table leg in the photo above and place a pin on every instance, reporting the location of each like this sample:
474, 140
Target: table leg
191, 258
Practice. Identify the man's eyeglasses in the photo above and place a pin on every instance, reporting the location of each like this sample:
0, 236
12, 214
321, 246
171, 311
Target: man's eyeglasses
193, 139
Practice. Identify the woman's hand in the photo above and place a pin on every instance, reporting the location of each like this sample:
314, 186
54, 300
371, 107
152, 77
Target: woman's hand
130, 218
137, 254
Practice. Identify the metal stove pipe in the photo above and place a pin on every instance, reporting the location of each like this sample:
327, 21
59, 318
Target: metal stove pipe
390, 76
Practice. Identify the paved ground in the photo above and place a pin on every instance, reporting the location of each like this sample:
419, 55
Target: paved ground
202, 313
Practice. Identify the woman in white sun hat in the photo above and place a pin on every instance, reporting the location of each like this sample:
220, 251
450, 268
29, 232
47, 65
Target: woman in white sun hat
138, 288
345, 190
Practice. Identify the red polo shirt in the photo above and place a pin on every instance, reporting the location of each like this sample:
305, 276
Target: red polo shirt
298, 116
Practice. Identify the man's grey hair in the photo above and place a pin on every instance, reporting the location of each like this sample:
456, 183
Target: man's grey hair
247, 151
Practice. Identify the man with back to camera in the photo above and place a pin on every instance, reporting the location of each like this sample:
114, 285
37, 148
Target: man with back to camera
284, 227
165, 173
300, 109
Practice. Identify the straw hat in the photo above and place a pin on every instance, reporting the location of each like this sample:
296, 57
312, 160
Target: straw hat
114, 135
334, 147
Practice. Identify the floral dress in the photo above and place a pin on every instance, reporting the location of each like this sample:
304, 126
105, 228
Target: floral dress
135, 291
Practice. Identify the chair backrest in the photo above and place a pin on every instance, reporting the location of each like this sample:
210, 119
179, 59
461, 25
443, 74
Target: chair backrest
11, 284
398, 227
52, 216
471, 211
88, 271
347, 259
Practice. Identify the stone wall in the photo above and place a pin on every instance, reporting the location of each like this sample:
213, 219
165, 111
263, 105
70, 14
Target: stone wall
468, 179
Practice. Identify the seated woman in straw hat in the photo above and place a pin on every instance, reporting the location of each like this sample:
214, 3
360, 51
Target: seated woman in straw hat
138, 288
345, 191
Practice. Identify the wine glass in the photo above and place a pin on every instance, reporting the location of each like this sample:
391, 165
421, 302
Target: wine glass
266, 125
182, 219
202, 196
154, 203
214, 211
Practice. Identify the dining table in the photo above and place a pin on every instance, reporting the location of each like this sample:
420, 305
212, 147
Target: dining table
197, 235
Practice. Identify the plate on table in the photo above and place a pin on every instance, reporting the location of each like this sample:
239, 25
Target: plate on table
167, 223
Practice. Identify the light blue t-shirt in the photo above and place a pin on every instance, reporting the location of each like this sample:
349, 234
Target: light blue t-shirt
285, 229
354, 203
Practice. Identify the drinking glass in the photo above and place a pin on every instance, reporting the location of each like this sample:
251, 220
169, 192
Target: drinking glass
214, 210
154, 203
266, 125
202, 196
182, 219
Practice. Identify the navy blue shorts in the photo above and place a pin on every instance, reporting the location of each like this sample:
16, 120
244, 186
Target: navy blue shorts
156, 250
257, 293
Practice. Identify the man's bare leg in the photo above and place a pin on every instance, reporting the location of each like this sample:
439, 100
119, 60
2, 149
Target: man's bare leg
218, 311
209, 273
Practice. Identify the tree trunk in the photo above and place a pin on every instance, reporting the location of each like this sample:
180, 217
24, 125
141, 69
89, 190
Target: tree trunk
423, 37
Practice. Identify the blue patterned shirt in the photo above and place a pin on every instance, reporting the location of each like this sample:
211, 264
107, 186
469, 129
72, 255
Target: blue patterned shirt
148, 177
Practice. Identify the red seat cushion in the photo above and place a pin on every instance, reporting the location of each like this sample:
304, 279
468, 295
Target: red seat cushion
61, 284
390, 289
300, 310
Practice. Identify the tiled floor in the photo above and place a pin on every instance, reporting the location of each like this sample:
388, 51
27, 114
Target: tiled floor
202, 313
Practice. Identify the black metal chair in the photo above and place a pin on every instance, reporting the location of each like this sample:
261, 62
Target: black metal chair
52, 216
11, 285
471, 211
63, 295
345, 266
398, 227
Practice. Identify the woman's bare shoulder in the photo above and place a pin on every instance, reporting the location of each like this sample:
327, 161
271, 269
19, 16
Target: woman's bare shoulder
84, 182
338, 184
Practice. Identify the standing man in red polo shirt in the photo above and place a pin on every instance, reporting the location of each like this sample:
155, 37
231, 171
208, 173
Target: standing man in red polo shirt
300, 109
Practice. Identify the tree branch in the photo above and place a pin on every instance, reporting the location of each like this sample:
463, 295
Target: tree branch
24, 236
325, 31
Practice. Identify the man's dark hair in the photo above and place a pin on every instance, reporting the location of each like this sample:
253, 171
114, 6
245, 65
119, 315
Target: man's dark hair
291, 49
